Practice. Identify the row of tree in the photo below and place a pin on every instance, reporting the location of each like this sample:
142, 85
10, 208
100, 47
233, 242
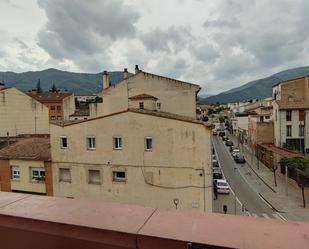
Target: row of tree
301, 166
39, 89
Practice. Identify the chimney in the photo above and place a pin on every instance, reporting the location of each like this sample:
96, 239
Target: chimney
125, 73
137, 69
105, 80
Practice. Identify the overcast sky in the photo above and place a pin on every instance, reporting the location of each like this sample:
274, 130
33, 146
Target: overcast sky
219, 44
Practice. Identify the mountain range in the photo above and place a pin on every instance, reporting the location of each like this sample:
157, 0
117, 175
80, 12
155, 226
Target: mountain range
73, 82
92, 83
256, 89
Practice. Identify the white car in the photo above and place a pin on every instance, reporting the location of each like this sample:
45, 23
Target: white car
235, 152
222, 186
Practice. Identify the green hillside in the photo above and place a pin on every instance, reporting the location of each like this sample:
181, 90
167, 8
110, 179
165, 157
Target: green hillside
73, 82
261, 88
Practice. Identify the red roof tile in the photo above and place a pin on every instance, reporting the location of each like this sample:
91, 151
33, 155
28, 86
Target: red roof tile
143, 96
34, 148
49, 96
281, 151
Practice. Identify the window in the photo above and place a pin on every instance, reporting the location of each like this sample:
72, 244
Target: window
64, 142
301, 130
94, 176
117, 143
53, 117
276, 116
59, 108
288, 115
38, 174
15, 173
141, 105
119, 176
159, 106
90, 143
52, 107
148, 143
289, 130
64, 175
267, 117
301, 115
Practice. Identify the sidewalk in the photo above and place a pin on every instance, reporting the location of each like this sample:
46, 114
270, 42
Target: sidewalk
262, 181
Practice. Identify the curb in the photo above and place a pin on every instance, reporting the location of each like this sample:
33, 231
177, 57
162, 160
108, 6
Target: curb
272, 206
249, 164
261, 178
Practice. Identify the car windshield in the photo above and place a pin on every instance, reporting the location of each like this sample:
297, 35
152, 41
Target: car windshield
223, 184
240, 157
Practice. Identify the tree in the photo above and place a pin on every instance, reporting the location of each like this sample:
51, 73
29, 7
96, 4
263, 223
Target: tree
53, 88
38, 86
301, 166
205, 119
221, 119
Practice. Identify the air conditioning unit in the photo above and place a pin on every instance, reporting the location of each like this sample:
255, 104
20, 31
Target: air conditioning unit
302, 122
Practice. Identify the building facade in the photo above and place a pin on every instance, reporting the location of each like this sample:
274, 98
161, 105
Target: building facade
291, 114
260, 130
173, 96
135, 156
25, 166
60, 104
21, 114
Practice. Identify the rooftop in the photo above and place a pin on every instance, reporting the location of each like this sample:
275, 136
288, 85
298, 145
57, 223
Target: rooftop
140, 111
80, 113
281, 151
143, 96
291, 105
49, 96
32, 148
130, 226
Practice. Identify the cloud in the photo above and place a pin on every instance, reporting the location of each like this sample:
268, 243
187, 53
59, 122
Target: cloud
173, 38
77, 31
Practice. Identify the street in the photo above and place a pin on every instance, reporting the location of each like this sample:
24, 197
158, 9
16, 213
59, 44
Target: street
252, 203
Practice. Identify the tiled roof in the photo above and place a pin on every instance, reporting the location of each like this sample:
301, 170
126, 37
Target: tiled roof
49, 96
281, 151
34, 148
290, 105
143, 96
141, 111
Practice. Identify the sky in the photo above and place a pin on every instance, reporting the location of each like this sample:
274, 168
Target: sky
218, 44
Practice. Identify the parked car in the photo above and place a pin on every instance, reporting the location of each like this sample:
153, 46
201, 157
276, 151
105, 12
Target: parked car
216, 173
222, 133
214, 133
229, 143
215, 164
235, 152
222, 186
232, 148
225, 138
239, 158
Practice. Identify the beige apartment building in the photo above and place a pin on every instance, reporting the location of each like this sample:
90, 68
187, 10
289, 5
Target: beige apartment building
172, 96
291, 114
21, 114
135, 156
25, 166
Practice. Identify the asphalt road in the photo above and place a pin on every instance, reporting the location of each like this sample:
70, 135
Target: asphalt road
244, 192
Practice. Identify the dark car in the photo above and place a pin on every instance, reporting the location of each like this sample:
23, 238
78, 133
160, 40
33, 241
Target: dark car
225, 138
229, 143
239, 158
222, 133
216, 173
215, 164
